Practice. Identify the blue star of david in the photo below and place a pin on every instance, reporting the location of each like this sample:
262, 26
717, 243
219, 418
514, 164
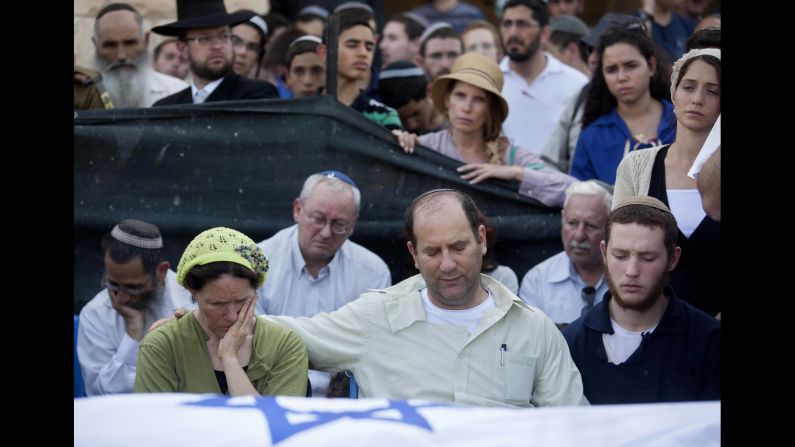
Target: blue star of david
281, 428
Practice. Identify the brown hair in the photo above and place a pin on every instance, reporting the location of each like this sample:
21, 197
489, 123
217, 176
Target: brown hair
647, 216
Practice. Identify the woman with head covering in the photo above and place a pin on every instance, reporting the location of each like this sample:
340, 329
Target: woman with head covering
221, 347
470, 98
661, 172
626, 107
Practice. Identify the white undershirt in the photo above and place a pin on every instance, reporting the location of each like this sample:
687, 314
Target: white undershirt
622, 343
685, 205
468, 318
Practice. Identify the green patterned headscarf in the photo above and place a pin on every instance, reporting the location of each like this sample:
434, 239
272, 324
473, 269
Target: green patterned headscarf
223, 244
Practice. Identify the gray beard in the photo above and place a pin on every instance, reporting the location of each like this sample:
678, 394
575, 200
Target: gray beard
154, 308
127, 87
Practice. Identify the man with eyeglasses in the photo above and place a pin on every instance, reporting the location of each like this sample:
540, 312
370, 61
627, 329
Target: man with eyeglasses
139, 288
122, 57
314, 267
537, 86
571, 282
203, 29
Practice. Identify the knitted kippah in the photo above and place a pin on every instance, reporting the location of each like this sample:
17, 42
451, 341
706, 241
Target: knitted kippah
642, 200
223, 244
138, 234
675, 72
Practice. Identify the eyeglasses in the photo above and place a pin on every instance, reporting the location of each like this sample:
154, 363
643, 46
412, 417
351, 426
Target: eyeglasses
115, 288
250, 46
318, 221
588, 295
209, 40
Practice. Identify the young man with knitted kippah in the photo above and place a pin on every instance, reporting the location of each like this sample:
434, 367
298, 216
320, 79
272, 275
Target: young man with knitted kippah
139, 289
641, 343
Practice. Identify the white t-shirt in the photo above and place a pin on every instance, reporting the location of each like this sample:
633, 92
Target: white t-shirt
686, 207
468, 318
622, 343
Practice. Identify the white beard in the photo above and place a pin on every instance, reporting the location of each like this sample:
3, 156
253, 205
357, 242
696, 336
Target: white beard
127, 87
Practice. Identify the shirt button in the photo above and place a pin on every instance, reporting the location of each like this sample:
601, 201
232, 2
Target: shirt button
645, 372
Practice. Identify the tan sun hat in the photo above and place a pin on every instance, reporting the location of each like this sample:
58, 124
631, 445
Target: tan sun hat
474, 69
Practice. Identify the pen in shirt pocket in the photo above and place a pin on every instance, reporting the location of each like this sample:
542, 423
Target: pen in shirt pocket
503, 349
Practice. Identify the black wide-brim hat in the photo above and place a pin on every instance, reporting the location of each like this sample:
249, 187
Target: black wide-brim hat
200, 14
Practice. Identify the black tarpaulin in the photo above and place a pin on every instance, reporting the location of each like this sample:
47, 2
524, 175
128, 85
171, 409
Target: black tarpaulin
240, 164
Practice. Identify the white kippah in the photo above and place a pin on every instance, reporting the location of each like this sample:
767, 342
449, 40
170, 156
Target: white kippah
433, 28
259, 23
306, 38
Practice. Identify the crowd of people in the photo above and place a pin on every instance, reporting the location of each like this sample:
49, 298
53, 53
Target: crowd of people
605, 123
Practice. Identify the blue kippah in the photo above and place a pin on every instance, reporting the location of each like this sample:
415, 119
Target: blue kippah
339, 175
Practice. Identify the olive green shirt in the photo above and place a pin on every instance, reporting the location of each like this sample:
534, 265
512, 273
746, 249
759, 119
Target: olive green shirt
175, 358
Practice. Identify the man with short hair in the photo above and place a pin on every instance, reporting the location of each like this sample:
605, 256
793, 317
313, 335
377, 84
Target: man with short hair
355, 52
203, 30
139, 289
537, 86
122, 57
564, 42
570, 283
643, 344
449, 334
314, 266
401, 39
440, 46
169, 60
306, 71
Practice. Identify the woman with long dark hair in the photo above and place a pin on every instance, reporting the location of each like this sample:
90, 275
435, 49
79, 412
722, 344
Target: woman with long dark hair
627, 106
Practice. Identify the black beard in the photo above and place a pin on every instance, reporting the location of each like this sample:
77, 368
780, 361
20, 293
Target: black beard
211, 74
531, 51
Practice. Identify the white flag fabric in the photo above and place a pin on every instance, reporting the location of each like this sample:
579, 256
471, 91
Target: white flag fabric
710, 146
206, 420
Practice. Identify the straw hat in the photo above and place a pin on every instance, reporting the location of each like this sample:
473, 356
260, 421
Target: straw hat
474, 69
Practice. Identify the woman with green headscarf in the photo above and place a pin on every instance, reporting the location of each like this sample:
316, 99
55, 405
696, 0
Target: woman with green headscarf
221, 347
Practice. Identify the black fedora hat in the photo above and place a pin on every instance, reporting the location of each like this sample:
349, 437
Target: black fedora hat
200, 14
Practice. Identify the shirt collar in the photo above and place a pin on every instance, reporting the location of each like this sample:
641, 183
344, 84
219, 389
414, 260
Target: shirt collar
209, 88
672, 321
405, 307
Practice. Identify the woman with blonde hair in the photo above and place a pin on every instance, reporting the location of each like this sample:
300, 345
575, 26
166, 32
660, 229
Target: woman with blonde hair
470, 98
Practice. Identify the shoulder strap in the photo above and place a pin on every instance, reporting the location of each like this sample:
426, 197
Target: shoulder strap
512, 154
